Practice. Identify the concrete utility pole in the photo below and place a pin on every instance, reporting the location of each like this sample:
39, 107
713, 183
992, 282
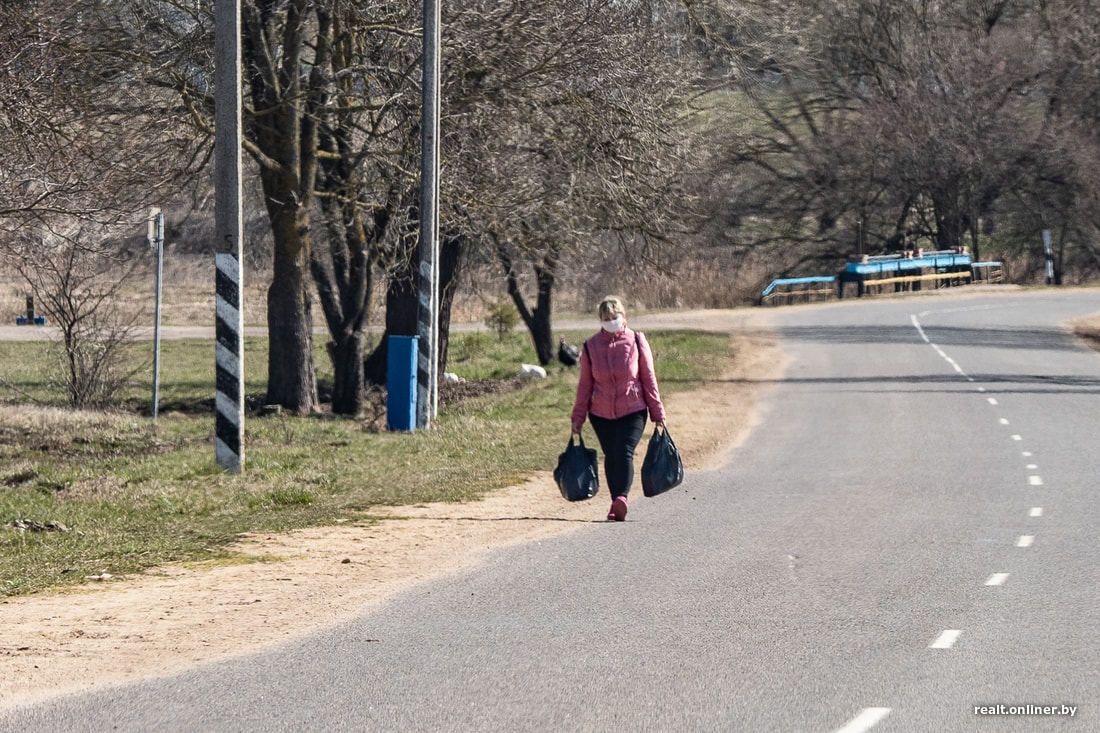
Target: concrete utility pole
229, 230
427, 372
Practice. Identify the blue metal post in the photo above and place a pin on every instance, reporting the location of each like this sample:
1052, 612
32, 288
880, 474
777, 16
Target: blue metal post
402, 355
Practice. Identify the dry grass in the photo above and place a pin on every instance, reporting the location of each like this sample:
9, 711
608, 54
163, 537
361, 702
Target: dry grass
187, 293
1087, 329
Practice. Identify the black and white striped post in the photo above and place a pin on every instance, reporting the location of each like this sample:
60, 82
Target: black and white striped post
229, 228
427, 372
229, 400
1048, 253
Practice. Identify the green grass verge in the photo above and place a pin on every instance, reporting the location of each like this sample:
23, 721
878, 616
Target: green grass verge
135, 493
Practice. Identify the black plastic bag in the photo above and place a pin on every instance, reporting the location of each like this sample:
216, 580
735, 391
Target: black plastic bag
577, 474
662, 468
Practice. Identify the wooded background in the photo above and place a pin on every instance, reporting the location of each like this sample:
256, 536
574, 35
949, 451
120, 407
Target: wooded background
677, 153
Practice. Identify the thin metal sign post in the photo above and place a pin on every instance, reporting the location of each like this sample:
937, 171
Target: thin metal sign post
229, 230
156, 241
427, 372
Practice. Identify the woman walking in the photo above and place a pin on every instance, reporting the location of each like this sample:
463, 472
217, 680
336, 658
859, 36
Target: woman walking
617, 389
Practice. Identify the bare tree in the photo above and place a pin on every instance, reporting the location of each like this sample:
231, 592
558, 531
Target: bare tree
882, 124
554, 120
166, 47
77, 280
567, 128
1062, 189
369, 145
81, 134
565, 91
286, 52
84, 147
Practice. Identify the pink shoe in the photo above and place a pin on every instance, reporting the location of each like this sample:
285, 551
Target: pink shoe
618, 510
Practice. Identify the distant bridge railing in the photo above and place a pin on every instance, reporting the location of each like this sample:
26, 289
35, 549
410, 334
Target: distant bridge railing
790, 290
872, 275
988, 272
904, 272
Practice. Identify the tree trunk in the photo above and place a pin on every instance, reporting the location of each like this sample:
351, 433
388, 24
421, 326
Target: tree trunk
450, 267
538, 319
291, 380
402, 298
975, 251
403, 306
949, 217
347, 382
283, 130
344, 288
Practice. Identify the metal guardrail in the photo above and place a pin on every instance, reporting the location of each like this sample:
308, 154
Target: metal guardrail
798, 290
988, 272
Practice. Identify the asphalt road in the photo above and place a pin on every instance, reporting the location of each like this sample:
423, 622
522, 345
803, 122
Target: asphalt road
909, 534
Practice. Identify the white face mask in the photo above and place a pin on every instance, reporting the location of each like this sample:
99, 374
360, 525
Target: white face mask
612, 326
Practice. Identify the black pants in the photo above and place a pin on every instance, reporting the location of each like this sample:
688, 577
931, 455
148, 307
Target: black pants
618, 439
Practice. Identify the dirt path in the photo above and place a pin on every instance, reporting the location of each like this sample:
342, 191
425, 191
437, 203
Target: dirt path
165, 620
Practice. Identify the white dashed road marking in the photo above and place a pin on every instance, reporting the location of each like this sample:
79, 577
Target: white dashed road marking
865, 721
941, 352
946, 640
916, 325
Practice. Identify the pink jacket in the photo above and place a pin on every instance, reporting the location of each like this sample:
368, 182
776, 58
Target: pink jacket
616, 378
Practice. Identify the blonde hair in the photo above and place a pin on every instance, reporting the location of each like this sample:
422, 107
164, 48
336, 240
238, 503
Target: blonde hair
610, 307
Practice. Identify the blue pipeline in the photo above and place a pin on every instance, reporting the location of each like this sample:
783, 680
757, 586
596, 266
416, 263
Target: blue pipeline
902, 265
